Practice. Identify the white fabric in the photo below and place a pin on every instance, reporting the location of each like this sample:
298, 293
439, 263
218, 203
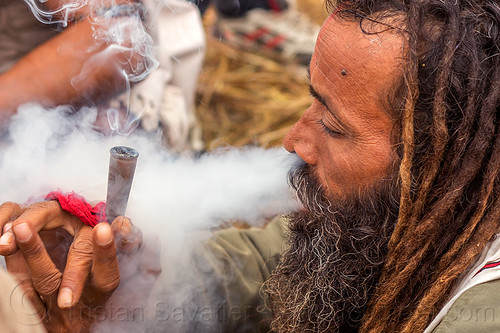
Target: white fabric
166, 98
471, 278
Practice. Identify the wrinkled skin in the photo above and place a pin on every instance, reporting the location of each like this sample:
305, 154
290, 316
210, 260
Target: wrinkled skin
349, 184
345, 136
71, 274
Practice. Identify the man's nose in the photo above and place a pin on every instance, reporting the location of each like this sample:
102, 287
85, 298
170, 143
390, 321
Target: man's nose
300, 139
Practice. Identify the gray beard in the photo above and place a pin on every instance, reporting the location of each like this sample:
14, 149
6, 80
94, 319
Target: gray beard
336, 251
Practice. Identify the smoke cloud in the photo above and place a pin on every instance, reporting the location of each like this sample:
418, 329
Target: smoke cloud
175, 200
57, 149
118, 29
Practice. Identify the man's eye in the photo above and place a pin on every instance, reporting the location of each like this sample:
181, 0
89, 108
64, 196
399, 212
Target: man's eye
328, 130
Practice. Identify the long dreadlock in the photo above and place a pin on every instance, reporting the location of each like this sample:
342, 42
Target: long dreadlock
450, 196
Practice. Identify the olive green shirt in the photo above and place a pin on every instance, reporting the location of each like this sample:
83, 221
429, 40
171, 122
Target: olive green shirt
228, 273
477, 310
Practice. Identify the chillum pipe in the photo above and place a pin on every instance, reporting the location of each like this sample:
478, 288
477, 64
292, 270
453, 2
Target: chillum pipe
122, 161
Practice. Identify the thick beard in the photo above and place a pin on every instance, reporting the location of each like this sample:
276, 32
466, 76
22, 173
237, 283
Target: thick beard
336, 250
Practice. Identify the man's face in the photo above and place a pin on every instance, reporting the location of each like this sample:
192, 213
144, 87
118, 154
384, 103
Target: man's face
349, 187
345, 135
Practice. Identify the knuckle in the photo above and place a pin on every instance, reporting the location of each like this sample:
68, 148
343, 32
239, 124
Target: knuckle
9, 206
113, 283
83, 243
121, 226
48, 207
32, 250
108, 285
121, 220
128, 237
9, 250
48, 283
71, 278
11, 209
80, 257
109, 259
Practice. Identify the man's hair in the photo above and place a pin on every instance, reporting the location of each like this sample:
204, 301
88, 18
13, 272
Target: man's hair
450, 152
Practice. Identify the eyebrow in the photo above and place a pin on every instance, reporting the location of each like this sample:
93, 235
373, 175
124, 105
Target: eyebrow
313, 92
321, 99
315, 95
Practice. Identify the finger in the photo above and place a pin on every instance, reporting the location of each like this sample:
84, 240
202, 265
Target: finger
9, 211
29, 291
16, 265
128, 237
44, 274
144, 263
7, 244
77, 268
105, 272
49, 215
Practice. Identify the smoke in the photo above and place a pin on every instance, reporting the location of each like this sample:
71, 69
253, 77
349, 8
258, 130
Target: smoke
62, 15
120, 26
177, 199
120, 31
56, 149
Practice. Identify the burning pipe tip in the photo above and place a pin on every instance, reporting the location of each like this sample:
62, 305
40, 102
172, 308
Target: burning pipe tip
124, 153
122, 162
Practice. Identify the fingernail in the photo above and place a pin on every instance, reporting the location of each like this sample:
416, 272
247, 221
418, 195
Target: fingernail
104, 234
126, 226
65, 298
22, 232
7, 227
6, 238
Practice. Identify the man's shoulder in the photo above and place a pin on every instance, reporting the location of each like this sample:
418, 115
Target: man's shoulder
476, 310
272, 232
265, 243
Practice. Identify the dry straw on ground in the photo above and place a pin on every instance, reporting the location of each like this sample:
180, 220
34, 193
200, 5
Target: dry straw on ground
247, 99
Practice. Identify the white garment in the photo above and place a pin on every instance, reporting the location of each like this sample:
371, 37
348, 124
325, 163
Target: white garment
166, 97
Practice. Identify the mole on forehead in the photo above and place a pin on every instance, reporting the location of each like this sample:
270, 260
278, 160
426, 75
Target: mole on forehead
342, 48
334, 62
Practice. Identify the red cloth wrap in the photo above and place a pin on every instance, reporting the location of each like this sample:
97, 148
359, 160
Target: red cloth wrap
77, 205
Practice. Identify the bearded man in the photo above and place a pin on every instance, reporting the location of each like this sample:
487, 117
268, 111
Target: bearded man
379, 248
400, 184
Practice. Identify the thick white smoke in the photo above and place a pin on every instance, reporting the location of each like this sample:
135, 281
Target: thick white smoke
51, 149
118, 26
177, 199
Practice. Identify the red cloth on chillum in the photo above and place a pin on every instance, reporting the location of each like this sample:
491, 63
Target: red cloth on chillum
77, 205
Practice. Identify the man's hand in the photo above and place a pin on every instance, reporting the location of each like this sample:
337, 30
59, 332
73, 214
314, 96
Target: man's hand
48, 215
41, 280
75, 268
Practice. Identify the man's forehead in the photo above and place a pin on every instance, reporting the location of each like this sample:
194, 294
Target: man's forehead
348, 60
358, 45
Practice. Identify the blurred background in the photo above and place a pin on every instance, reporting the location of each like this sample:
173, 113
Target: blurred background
251, 97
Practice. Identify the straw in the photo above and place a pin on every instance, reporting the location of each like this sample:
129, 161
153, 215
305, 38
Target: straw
245, 98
